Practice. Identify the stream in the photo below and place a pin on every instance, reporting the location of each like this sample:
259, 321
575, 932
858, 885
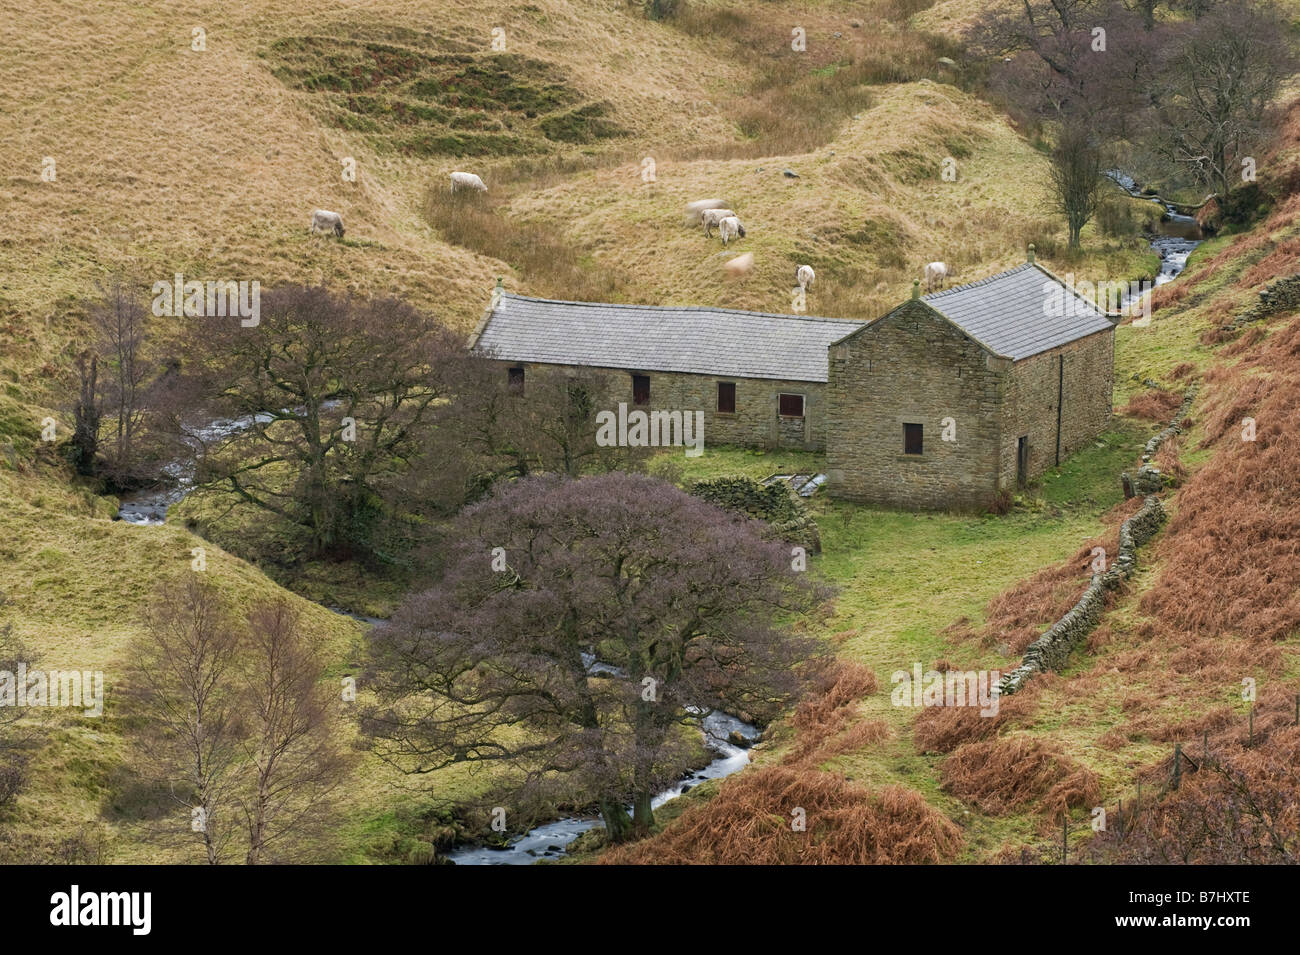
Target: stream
149, 508
549, 841
1177, 235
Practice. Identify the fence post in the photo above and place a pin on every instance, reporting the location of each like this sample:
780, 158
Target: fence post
1205, 746
1178, 764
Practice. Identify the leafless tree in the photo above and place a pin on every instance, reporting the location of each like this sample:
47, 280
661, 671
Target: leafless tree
1077, 176
492, 665
181, 682
87, 411
340, 395
293, 751
1218, 77
118, 319
15, 741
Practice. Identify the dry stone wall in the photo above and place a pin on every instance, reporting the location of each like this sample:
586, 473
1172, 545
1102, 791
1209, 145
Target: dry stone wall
1053, 648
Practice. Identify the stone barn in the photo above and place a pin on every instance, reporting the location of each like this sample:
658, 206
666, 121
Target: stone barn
759, 379
943, 403
953, 397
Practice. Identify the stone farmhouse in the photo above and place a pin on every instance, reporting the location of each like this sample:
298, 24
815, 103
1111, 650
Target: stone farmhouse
942, 403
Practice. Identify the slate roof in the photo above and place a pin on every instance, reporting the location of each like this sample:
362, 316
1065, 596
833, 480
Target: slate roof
1005, 312
690, 339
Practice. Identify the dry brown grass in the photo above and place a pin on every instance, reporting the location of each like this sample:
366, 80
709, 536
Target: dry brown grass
941, 729
1169, 460
841, 686
1156, 404
749, 823
1006, 775
1246, 582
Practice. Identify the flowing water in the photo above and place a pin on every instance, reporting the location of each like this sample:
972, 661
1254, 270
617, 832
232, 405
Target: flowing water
1177, 235
549, 841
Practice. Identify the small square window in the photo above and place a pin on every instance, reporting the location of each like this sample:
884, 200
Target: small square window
515, 378
640, 389
791, 406
912, 439
726, 397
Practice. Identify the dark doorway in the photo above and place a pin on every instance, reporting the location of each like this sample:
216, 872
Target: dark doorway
640, 389
1022, 460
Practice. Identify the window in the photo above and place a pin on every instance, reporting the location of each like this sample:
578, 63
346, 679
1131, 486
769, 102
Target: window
791, 406
912, 439
726, 397
640, 389
516, 379
580, 403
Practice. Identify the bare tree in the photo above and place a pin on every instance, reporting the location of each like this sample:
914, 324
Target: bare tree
493, 664
14, 740
1079, 69
293, 752
339, 395
1077, 177
86, 413
118, 319
1218, 77
181, 682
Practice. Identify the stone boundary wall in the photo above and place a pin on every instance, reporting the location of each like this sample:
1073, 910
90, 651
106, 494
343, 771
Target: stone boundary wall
1277, 296
1053, 648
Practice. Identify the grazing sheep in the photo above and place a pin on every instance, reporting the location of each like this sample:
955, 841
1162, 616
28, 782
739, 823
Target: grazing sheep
324, 221
694, 210
730, 227
711, 217
740, 266
466, 180
804, 275
935, 274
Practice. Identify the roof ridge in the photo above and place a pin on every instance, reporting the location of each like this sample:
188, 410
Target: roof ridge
978, 282
688, 308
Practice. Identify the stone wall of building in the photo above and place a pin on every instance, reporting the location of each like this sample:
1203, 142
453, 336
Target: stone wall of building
913, 366
755, 422
1086, 383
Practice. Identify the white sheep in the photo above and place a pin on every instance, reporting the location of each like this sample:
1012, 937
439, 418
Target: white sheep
696, 209
804, 276
730, 227
711, 217
935, 274
466, 180
323, 220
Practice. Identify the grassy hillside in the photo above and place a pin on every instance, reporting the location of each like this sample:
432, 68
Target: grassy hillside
208, 162
1212, 603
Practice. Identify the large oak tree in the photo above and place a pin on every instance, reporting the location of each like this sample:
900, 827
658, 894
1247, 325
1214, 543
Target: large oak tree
685, 601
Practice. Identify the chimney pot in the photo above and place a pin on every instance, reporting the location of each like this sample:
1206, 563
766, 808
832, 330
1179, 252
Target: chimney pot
916, 289
1030, 257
